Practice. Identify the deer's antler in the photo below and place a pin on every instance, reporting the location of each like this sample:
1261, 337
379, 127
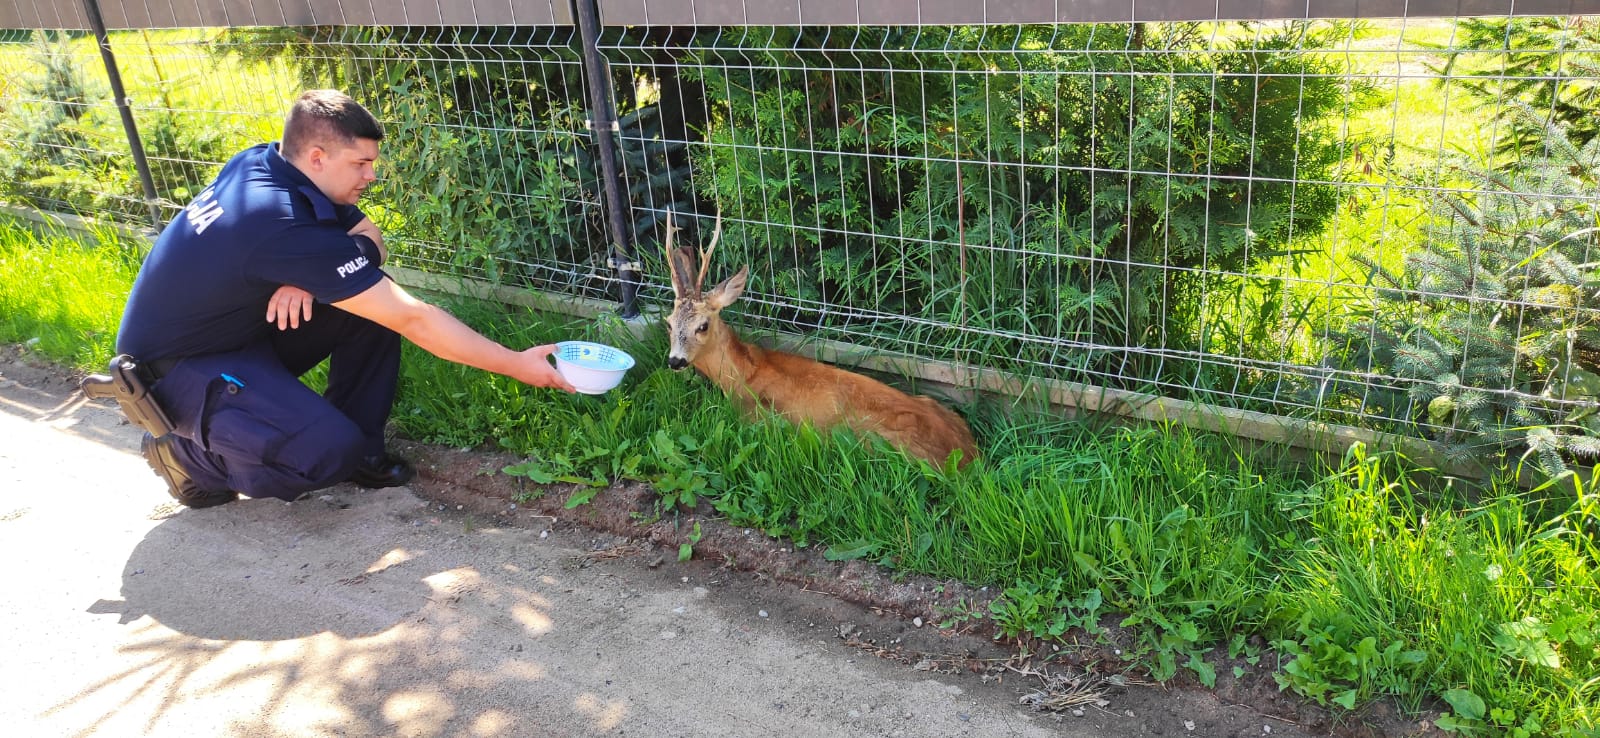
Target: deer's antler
705, 254
680, 283
679, 264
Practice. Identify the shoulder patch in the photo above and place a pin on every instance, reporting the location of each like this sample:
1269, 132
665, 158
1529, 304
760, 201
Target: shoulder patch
352, 266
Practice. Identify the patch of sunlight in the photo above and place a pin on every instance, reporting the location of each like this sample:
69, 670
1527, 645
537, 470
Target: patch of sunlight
393, 558
606, 714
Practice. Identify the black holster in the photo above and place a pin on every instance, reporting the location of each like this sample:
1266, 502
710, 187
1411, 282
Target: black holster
125, 383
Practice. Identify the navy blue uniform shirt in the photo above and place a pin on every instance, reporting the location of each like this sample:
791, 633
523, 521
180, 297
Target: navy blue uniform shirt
261, 225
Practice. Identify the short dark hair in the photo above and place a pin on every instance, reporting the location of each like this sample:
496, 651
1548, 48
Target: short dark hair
326, 118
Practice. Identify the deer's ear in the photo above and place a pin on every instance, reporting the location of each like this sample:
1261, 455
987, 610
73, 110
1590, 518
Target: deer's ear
682, 265
724, 294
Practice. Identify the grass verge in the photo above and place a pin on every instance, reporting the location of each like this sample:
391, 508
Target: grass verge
59, 296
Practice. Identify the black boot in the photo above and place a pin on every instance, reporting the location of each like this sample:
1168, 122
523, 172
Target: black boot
386, 470
158, 453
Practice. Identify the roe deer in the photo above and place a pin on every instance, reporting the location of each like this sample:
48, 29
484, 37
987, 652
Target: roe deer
799, 389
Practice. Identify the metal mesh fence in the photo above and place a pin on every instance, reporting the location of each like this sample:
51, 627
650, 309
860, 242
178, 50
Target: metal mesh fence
1381, 222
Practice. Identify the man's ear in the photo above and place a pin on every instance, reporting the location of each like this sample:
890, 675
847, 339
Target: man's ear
316, 157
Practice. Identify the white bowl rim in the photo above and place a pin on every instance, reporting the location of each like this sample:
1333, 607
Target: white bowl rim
628, 362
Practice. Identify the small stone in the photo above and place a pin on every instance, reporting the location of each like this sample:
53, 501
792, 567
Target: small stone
1077, 712
544, 534
1266, 729
917, 622
762, 613
1188, 725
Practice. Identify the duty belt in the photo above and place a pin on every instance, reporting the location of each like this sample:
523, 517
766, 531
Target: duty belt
128, 382
153, 371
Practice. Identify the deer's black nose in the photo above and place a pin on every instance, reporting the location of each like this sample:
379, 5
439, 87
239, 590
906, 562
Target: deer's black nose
676, 363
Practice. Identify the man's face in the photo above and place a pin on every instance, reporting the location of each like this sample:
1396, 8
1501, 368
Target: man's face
343, 173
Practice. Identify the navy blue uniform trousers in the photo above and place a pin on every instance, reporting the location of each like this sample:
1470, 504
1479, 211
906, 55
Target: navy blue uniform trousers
245, 422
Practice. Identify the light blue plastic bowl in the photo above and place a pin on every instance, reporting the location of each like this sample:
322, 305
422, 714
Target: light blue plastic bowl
592, 368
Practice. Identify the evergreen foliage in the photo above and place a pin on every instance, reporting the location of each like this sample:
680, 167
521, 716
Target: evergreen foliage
1079, 192
56, 159
183, 155
75, 157
1550, 63
1492, 327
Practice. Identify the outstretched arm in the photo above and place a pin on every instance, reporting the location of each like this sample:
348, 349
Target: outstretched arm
441, 334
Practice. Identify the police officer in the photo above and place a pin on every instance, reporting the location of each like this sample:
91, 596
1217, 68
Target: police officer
221, 319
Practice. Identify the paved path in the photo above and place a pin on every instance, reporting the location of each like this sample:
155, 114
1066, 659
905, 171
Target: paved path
365, 614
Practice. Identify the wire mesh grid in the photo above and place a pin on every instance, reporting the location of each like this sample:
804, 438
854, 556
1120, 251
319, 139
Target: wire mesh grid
1201, 211
1339, 220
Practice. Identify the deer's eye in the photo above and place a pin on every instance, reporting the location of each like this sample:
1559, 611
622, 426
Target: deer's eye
702, 328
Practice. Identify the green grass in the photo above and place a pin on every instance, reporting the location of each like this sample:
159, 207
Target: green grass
62, 298
1370, 578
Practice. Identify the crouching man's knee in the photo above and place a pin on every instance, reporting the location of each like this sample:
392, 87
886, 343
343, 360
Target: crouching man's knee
317, 457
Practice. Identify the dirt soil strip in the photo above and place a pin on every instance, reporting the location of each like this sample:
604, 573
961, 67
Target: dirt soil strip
447, 609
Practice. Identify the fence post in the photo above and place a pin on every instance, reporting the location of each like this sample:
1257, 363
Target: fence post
135, 145
603, 124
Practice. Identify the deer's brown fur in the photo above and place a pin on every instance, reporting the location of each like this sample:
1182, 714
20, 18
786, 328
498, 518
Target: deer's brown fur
799, 389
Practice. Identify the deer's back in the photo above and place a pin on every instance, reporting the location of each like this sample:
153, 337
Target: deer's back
805, 390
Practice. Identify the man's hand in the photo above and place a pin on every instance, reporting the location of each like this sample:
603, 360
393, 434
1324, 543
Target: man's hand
540, 372
288, 306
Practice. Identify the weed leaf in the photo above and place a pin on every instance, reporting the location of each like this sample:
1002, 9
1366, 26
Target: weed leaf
531, 470
851, 551
1466, 704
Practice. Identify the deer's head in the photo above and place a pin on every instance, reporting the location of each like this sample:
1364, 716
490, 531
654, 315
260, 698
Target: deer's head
695, 320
